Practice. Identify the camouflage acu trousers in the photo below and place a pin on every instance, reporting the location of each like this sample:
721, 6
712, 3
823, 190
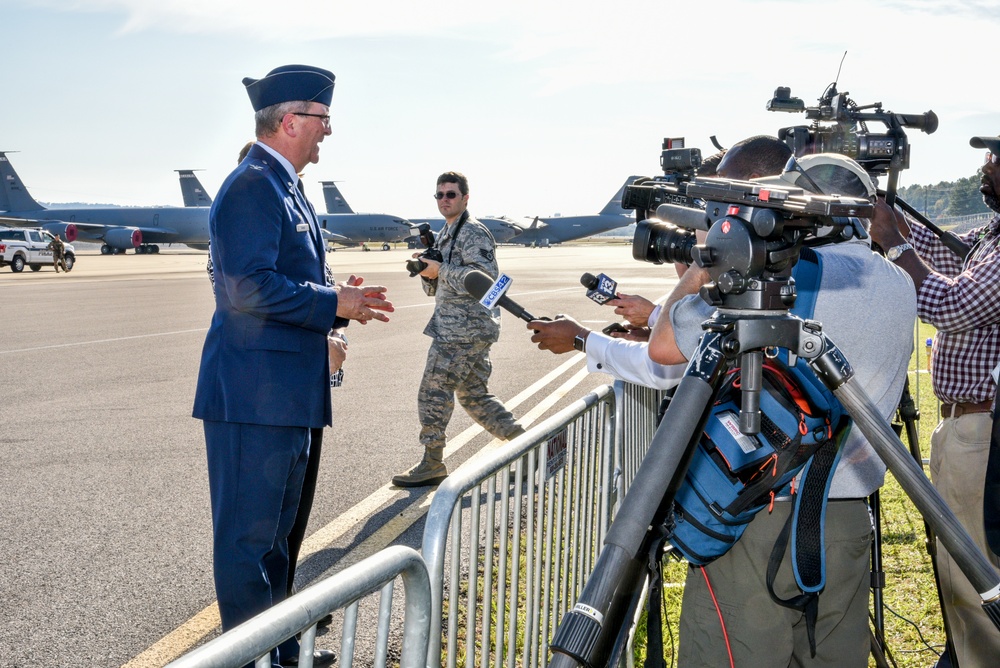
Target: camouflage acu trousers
462, 370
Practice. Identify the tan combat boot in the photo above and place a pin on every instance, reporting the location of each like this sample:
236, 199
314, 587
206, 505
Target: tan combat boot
430, 471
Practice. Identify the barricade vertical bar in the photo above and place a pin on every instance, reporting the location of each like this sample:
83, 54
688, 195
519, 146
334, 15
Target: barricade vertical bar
307, 643
490, 532
576, 519
453, 593
607, 476
473, 598
515, 572
547, 577
535, 586
502, 573
589, 480
384, 617
562, 561
349, 636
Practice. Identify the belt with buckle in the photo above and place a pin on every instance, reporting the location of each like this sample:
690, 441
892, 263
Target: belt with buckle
958, 410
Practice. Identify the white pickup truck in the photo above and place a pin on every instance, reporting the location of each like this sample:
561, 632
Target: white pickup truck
23, 246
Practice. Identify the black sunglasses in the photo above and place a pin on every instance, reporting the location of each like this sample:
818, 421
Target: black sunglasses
451, 194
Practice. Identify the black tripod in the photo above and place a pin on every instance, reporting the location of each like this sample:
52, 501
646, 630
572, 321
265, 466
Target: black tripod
593, 633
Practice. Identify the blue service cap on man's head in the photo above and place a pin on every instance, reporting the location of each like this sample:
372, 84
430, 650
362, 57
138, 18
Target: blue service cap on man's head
991, 144
291, 83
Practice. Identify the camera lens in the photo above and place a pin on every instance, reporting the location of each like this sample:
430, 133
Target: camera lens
660, 242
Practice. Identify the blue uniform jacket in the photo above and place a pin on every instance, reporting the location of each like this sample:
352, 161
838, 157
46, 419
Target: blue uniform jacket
265, 355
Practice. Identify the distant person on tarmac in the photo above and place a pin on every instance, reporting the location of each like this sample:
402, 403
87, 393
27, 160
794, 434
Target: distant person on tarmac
58, 249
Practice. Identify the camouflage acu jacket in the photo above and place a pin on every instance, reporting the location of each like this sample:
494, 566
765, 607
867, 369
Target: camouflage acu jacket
458, 316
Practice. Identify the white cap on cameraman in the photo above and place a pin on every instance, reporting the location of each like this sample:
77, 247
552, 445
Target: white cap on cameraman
828, 174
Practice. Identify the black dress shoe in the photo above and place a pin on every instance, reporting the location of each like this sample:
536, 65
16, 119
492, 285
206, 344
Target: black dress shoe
326, 621
321, 657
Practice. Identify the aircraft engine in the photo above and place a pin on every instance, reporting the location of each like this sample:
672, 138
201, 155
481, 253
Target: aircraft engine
66, 231
124, 237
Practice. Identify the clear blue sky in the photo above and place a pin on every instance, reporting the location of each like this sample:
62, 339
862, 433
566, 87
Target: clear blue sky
546, 106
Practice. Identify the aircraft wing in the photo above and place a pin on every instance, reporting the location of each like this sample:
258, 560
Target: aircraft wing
332, 236
12, 222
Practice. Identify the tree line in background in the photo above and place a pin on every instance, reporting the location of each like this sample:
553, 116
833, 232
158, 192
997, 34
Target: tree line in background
947, 198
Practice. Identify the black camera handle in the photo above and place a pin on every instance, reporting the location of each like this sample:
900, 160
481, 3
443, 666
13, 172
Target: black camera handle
587, 633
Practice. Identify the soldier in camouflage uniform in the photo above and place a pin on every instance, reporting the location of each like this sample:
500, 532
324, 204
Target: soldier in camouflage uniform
458, 362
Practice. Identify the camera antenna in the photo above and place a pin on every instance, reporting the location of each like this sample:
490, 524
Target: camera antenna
841, 67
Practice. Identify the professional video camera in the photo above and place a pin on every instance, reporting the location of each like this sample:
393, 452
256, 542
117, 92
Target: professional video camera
426, 236
846, 131
848, 135
755, 229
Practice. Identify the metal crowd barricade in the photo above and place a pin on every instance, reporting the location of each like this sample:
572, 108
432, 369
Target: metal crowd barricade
253, 640
536, 511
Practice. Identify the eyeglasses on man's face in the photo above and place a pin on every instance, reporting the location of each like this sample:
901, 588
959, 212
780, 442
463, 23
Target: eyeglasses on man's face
991, 157
450, 194
323, 117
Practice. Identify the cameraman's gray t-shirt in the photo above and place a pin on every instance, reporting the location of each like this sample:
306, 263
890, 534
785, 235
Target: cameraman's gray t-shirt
868, 308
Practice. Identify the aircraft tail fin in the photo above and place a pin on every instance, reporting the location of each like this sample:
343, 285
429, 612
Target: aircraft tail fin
191, 189
13, 195
615, 205
335, 202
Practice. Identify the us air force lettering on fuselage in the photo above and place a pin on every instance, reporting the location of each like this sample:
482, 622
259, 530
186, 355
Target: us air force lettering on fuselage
119, 228
343, 226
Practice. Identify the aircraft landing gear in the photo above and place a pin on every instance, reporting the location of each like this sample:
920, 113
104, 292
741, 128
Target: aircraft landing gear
386, 246
151, 249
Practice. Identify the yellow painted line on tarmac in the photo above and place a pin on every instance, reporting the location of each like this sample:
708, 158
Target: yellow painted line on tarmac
185, 637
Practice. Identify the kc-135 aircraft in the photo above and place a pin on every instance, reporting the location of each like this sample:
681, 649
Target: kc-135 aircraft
558, 229
119, 228
341, 225
502, 229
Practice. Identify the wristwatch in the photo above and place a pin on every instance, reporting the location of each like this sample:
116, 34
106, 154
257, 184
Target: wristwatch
893, 253
580, 342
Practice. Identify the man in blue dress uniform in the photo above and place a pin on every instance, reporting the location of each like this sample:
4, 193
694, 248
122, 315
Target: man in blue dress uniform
265, 377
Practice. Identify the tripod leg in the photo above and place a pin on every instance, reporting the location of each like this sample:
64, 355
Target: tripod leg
909, 414
832, 367
587, 631
878, 575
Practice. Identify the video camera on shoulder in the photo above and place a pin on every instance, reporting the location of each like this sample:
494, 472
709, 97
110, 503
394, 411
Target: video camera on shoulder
840, 126
426, 236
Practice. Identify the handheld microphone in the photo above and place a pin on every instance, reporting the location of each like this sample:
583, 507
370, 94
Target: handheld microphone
480, 284
600, 288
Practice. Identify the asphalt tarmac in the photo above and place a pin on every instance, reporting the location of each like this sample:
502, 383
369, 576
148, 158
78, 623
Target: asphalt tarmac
107, 551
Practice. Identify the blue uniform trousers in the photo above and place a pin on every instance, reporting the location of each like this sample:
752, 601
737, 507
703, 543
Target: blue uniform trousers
255, 475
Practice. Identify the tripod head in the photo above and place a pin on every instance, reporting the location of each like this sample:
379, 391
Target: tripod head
756, 230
